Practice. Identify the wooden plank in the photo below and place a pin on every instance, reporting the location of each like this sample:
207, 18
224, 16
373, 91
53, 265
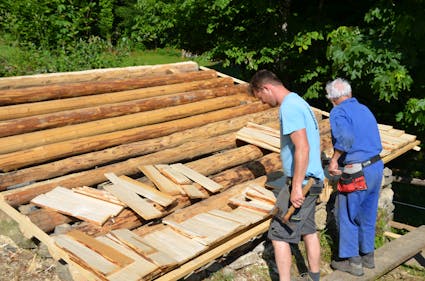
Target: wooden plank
253, 204
260, 193
217, 222
193, 192
141, 189
241, 135
231, 216
183, 229
255, 216
400, 225
89, 258
265, 129
172, 174
139, 205
214, 253
132, 240
77, 205
106, 251
98, 194
388, 256
137, 270
163, 183
197, 177
174, 244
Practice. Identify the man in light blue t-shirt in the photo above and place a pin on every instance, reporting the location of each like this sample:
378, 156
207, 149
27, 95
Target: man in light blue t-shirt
300, 154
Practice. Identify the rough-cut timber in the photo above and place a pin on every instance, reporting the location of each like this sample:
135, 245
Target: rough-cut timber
96, 75
57, 119
71, 129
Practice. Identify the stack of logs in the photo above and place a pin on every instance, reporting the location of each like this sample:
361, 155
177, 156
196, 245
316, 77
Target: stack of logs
70, 129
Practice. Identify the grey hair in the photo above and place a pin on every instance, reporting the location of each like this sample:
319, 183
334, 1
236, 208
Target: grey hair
338, 88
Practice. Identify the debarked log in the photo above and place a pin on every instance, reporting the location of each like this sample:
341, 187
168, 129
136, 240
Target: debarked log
43, 107
97, 158
35, 139
63, 149
75, 116
68, 90
103, 74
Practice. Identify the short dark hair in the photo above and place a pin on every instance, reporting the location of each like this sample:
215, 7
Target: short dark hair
262, 77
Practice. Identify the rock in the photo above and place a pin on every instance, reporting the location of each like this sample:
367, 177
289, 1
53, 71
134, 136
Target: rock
245, 260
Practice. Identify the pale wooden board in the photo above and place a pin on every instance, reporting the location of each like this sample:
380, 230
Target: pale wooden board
217, 222
162, 259
254, 192
106, 251
173, 244
172, 174
255, 216
231, 216
255, 141
252, 204
140, 188
162, 182
259, 137
197, 177
132, 240
77, 205
98, 194
265, 129
133, 272
193, 192
88, 257
140, 205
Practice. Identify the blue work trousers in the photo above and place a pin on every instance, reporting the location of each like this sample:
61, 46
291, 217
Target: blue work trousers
357, 213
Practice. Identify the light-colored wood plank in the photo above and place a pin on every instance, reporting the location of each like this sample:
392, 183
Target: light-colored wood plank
98, 194
217, 222
214, 253
259, 136
204, 181
254, 215
182, 229
140, 188
140, 205
132, 240
162, 182
247, 137
260, 193
172, 174
174, 244
106, 251
231, 216
86, 256
252, 204
77, 205
267, 130
137, 270
193, 192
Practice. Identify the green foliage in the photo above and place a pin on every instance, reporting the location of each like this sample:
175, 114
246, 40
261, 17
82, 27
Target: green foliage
413, 113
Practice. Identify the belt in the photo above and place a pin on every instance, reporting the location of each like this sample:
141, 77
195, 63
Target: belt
371, 160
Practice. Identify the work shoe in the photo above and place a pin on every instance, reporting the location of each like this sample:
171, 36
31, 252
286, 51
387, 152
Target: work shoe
368, 260
302, 277
354, 268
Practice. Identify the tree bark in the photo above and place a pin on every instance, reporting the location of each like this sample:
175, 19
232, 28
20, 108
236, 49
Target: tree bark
43, 107
35, 139
96, 75
98, 158
70, 117
63, 149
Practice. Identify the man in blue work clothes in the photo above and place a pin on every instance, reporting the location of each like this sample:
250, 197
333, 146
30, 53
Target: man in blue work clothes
300, 153
357, 145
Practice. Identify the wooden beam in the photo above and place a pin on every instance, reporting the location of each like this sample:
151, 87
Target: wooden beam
77, 146
95, 75
76, 89
35, 139
75, 116
43, 107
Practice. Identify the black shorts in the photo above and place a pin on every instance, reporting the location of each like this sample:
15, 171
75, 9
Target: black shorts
301, 222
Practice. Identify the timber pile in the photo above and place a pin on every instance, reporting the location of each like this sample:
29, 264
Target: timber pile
134, 159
